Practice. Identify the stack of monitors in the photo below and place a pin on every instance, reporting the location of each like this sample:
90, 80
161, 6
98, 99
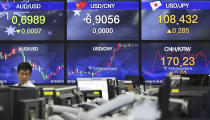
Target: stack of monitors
65, 39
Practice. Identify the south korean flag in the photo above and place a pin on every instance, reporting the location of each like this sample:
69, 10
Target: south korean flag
155, 5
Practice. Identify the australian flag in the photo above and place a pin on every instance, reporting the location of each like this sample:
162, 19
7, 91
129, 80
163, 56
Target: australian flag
6, 6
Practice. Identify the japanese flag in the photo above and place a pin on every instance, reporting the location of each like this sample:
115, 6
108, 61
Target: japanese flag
155, 5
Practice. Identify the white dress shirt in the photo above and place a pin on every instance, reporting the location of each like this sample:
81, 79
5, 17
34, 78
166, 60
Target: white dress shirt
27, 84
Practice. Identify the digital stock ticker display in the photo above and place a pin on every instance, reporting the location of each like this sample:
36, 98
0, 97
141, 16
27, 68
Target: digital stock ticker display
32, 20
159, 59
175, 20
103, 20
46, 61
102, 60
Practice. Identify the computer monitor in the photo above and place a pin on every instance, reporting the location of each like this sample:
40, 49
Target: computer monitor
136, 80
101, 60
1, 111
93, 23
21, 93
5, 104
195, 80
92, 94
163, 97
163, 58
30, 109
100, 83
47, 20
46, 69
10, 97
68, 96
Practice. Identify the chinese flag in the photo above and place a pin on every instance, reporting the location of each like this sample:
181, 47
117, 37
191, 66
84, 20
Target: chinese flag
81, 5
4, 4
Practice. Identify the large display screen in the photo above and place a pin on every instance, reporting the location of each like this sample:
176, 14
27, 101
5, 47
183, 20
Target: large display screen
175, 20
159, 59
32, 20
103, 20
102, 60
47, 61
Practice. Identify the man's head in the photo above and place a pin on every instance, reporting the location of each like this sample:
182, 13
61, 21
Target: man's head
24, 72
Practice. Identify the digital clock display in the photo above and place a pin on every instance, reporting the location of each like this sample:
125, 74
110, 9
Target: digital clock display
32, 20
103, 20
175, 20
